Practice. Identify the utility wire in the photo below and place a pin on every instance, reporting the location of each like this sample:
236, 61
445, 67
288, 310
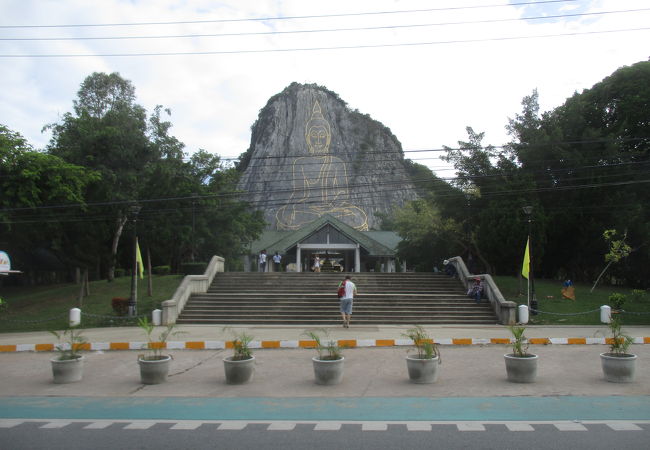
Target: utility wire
322, 30
265, 19
312, 49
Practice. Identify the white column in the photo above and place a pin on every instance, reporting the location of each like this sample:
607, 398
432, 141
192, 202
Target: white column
298, 259
357, 259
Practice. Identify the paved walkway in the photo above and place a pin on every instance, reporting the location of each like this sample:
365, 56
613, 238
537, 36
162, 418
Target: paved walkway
472, 385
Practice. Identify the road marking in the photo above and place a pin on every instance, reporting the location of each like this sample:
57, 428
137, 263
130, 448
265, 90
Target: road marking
56, 424
327, 426
516, 426
139, 425
281, 426
186, 425
232, 425
624, 426
418, 426
570, 426
9, 423
98, 425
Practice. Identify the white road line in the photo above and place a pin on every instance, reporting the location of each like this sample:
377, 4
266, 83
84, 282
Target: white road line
470, 426
327, 426
418, 426
56, 424
624, 426
281, 426
374, 426
518, 426
10, 423
139, 425
570, 426
232, 425
98, 425
189, 425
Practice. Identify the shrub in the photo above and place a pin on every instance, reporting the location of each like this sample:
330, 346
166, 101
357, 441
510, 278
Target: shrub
194, 268
120, 305
161, 270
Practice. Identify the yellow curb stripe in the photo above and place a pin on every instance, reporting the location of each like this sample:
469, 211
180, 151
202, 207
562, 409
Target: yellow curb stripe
119, 346
348, 343
195, 345
44, 347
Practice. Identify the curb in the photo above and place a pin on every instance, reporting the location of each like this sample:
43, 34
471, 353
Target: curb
349, 343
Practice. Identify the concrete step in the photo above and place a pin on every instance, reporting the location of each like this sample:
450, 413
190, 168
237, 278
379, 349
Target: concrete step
310, 298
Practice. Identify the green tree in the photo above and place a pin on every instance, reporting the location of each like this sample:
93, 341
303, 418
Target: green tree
33, 186
589, 160
108, 133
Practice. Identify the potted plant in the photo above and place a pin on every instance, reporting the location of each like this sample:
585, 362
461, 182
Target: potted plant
423, 367
239, 367
154, 366
328, 365
521, 366
619, 366
68, 367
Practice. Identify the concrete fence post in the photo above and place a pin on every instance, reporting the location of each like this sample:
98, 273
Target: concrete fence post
605, 314
74, 317
523, 314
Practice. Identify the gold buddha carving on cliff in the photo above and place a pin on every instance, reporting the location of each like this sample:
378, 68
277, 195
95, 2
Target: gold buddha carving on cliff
320, 182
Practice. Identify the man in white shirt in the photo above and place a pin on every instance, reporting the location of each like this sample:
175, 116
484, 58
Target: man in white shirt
346, 300
277, 259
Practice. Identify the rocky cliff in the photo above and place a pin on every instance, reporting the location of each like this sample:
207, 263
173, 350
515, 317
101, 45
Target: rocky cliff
311, 155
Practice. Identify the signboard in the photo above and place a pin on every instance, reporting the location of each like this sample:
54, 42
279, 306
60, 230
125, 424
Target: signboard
5, 262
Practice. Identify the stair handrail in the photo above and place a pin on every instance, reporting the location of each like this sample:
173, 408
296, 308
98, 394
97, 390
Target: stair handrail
191, 284
505, 310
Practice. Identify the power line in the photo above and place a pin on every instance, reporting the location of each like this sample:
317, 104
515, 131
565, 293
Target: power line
312, 49
264, 19
322, 30
469, 148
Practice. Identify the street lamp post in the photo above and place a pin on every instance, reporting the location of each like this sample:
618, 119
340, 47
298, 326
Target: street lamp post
532, 300
133, 300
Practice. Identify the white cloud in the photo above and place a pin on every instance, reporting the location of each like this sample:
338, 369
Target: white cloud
426, 94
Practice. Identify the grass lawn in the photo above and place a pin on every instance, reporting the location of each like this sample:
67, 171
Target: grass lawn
550, 300
46, 307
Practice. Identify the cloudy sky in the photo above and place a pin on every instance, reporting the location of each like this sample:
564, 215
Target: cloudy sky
426, 69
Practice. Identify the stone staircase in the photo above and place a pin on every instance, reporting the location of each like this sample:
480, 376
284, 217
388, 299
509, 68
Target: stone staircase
310, 299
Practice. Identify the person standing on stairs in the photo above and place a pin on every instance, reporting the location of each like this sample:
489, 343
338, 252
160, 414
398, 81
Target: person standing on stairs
347, 289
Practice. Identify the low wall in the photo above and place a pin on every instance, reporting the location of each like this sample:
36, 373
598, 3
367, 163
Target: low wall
191, 284
506, 311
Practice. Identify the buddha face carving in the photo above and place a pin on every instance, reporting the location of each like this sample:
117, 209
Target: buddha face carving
317, 132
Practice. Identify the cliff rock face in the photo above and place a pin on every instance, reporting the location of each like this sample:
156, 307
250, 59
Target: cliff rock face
311, 155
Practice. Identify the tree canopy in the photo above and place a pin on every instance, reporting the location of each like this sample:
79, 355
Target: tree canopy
105, 157
583, 167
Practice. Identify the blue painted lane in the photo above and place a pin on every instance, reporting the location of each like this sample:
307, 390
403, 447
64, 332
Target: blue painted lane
336, 409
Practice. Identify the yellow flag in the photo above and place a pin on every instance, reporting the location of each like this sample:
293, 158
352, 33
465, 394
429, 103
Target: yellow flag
526, 266
138, 260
